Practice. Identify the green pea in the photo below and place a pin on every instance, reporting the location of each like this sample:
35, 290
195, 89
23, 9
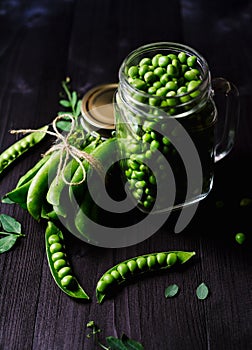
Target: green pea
176, 63
139, 175
171, 85
182, 57
57, 256
163, 61
172, 71
159, 71
132, 265
240, 237
155, 59
64, 271
133, 71
150, 199
191, 61
141, 263
123, 269
164, 79
53, 239
151, 261
140, 184
55, 247
148, 154
67, 280
154, 102
132, 164
108, 278
154, 145
157, 84
184, 68
139, 84
146, 137
143, 69
101, 286
147, 204
152, 90
115, 274
128, 172
150, 77
162, 91
171, 259
172, 56
165, 140
161, 258
190, 75
143, 168
164, 104
59, 264
145, 60
152, 180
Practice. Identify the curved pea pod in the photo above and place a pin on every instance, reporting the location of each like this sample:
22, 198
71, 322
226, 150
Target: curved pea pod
59, 265
39, 185
33, 171
59, 188
137, 266
20, 147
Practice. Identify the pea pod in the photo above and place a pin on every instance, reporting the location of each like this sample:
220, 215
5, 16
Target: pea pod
40, 183
33, 171
59, 265
134, 267
21, 146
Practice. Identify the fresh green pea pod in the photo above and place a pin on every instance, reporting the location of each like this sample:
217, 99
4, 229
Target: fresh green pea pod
40, 183
20, 147
33, 171
59, 265
58, 184
137, 266
19, 194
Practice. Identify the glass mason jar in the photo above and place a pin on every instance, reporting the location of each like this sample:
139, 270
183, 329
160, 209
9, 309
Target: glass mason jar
168, 144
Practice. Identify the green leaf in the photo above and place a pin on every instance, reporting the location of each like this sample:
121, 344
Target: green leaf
78, 109
65, 103
6, 243
131, 344
7, 200
202, 291
171, 290
64, 125
115, 343
74, 99
10, 224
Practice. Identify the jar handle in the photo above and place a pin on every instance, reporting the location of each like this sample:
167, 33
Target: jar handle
227, 125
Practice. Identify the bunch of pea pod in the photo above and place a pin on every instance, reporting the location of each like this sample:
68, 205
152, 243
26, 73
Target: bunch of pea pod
51, 192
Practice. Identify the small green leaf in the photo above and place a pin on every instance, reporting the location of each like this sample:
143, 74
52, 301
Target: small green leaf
65, 103
202, 291
115, 343
74, 99
131, 344
10, 224
6, 243
171, 290
78, 109
7, 200
64, 125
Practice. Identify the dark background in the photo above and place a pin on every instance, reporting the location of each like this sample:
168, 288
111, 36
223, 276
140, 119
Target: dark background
42, 42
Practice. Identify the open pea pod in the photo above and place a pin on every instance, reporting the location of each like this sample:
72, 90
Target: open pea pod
137, 266
59, 265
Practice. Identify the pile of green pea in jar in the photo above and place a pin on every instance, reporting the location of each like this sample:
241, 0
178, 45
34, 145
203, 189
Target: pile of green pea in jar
174, 84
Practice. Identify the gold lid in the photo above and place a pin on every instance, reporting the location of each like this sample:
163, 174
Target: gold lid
97, 108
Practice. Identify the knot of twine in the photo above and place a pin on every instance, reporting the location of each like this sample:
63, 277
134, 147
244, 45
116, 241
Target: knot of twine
66, 150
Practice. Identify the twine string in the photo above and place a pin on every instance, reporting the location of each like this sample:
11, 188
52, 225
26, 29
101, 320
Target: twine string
67, 150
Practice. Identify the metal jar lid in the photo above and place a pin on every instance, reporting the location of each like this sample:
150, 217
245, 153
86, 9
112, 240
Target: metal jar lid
97, 109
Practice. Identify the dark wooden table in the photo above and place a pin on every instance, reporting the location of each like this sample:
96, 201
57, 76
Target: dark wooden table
42, 42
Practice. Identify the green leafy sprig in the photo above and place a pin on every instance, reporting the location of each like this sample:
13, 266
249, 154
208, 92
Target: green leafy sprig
124, 343
71, 103
11, 229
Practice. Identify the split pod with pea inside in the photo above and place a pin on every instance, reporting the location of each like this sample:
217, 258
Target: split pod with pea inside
135, 267
59, 265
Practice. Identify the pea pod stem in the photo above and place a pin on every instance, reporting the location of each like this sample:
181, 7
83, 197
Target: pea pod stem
59, 265
20, 147
137, 266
